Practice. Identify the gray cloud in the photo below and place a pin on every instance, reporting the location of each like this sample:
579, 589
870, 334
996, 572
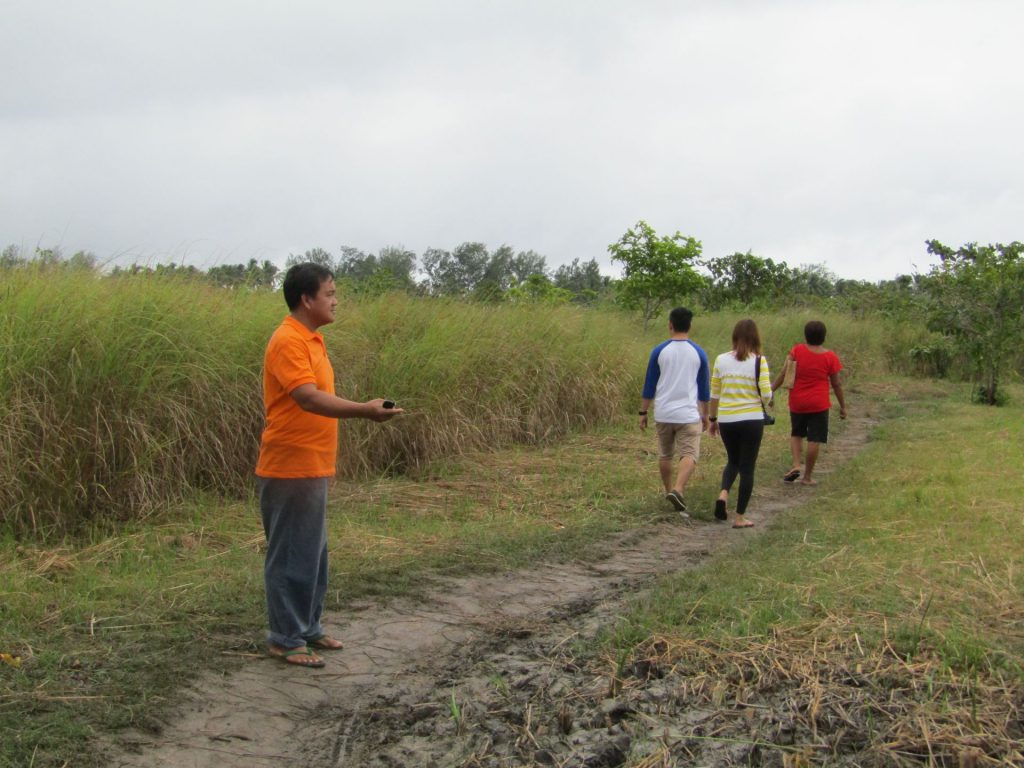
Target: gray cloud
843, 133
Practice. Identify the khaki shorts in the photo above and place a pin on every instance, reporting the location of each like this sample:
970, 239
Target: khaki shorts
682, 439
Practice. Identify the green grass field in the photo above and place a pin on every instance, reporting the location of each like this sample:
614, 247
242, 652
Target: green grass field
892, 604
911, 546
914, 547
918, 539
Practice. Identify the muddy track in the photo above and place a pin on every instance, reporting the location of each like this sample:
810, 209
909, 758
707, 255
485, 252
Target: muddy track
480, 673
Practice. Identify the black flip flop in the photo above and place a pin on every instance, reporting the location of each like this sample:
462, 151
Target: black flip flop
720, 513
791, 476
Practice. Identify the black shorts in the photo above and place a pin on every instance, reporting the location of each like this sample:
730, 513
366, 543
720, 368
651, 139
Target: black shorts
813, 426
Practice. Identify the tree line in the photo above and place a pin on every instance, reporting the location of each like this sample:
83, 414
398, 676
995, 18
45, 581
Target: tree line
971, 299
657, 271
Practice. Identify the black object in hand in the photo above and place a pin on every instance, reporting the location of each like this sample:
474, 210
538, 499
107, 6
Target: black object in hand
388, 404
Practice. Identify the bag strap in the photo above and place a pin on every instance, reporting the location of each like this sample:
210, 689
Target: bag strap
757, 383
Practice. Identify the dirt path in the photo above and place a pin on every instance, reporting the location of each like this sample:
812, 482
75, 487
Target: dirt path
479, 674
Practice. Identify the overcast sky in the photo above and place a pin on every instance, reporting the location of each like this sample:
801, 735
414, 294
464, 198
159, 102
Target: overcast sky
806, 131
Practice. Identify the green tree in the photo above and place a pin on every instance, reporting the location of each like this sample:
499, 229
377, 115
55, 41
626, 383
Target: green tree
226, 275
354, 265
456, 272
171, 269
900, 298
398, 264
163, 270
497, 273
487, 291
48, 257
470, 270
377, 284
366, 274
538, 289
524, 265
261, 274
584, 281
743, 278
314, 255
811, 280
252, 275
657, 271
82, 260
506, 269
977, 293
11, 256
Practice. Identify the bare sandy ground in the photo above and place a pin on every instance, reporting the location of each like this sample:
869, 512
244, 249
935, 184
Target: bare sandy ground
474, 675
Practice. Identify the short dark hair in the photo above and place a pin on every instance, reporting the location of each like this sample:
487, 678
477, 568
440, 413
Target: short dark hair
680, 319
304, 280
814, 332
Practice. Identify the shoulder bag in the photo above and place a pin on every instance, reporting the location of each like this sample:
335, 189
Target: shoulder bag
789, 376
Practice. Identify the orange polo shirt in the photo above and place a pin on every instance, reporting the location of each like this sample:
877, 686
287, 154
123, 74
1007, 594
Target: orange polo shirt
296, 443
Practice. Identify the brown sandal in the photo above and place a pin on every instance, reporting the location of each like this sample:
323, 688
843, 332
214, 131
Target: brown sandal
325, 643
291, 656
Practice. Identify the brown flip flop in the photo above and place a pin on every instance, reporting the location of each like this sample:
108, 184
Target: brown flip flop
325, 643
290, 656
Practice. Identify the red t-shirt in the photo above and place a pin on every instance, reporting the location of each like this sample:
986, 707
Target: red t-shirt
810, 389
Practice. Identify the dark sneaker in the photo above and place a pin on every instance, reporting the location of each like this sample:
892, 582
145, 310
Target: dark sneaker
720, 513
677, 501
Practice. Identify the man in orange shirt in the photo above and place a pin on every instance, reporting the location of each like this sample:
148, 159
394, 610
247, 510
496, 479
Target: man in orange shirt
298, 454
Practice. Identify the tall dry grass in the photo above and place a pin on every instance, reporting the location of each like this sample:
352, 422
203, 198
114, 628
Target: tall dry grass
118, 395
473, 376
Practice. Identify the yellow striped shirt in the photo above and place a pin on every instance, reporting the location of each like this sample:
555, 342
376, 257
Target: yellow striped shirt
733, 385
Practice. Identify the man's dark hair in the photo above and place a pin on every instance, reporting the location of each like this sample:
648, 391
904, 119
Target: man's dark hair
304, 280
680, 318
814, 333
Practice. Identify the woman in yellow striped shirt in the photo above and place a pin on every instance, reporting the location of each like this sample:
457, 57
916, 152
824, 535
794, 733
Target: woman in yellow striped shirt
737, 414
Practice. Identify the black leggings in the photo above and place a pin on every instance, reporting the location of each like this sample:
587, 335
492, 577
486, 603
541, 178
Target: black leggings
742, 441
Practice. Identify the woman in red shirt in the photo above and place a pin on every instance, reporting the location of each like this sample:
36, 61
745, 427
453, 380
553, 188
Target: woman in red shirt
809, 401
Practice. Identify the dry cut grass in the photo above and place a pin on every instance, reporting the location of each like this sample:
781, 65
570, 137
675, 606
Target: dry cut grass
820, 694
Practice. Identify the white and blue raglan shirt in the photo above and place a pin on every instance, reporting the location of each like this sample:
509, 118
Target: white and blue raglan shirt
678, 376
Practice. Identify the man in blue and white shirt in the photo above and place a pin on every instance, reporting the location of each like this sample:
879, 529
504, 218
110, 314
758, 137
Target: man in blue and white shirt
679, 384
